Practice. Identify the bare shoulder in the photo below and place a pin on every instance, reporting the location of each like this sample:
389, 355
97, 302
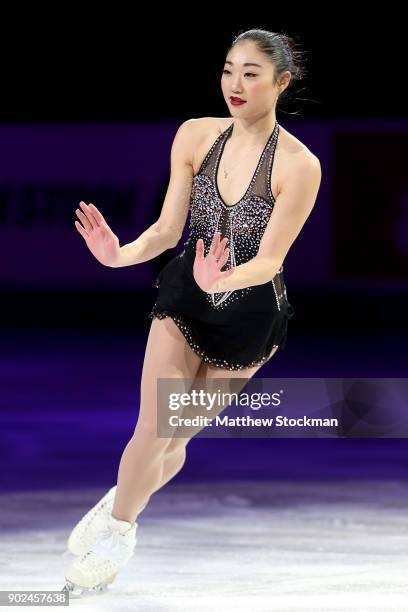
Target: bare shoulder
296, 152
216, 125
200, 128
295, 161
209, 128
201, 133
191, 137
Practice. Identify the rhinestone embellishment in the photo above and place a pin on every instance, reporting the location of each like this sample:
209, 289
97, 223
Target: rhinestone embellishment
244, 223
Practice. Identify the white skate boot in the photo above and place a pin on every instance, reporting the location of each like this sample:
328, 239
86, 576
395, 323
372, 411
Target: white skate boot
86, 532
92, 572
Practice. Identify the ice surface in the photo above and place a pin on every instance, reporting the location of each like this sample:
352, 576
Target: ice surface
230, 546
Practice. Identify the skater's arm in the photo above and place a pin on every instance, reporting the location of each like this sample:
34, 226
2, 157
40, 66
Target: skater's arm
168, 229
292, 207
150, 244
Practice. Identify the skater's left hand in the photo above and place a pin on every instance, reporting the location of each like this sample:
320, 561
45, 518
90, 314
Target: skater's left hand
207, 270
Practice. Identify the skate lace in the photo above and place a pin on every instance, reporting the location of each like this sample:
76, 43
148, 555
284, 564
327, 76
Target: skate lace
114, 546
95, 563
96, 513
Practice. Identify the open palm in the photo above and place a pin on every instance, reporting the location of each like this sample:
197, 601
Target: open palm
207, 270
99, 238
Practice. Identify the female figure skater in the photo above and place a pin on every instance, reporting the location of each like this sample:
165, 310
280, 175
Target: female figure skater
206, 323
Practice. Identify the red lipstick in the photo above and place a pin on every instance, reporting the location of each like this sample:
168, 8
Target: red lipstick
237, 101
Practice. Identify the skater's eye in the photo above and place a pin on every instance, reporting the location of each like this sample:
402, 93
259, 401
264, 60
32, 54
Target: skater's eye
250, 73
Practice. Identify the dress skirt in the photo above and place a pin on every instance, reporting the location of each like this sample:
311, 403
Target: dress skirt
239, 336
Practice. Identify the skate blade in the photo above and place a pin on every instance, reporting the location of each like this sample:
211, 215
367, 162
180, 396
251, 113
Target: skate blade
78, 592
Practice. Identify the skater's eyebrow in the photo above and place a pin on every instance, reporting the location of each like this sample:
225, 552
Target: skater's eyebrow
246, 64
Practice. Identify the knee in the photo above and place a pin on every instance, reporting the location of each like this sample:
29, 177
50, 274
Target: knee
171, 371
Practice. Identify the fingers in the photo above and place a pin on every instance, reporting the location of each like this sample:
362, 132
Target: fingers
214, 243
200, 248
217, 245
221, 247
85, 221
81, 230
223, 259
217, 248
87, 213
97, 215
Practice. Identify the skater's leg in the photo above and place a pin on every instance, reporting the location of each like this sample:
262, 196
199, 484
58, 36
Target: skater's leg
100, 564
176, 451
168, 355
174, 459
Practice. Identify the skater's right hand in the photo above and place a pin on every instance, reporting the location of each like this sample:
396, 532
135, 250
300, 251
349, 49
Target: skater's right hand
99, 238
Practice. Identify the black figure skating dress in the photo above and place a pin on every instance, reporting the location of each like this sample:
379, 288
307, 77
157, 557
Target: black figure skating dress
235, 329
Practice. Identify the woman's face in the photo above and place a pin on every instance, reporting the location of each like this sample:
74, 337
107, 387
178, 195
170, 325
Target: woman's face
252, 83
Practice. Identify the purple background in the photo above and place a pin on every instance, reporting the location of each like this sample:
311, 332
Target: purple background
74, 332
